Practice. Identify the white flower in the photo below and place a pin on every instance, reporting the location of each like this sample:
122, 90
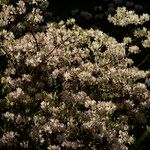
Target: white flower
89, 103
134, 49
67, 76
9, 116
48, 129
35, 16
16, 93
44, 104
21, 7
8, 137
146, 43
55, 73
26, 77
140, 32
124, 17
127, 40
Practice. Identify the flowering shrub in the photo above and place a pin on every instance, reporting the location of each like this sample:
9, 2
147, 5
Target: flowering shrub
69, 88
22, 16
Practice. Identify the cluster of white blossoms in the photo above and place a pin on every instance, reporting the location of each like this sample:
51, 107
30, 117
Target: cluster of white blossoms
7, 15
143, 33
21, 7
134, 49
35, 16
62, 91
30, 12
124, 17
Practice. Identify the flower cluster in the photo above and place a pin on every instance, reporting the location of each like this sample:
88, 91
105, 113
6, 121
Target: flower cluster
30, 13
69, 88
124, 17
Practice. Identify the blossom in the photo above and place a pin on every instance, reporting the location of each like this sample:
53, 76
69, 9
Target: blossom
124, 17
16, 93
67, 76
9, 116
21, 7
64, 85
134, 49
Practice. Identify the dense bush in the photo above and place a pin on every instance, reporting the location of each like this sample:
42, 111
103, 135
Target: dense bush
94, 13
70, 88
